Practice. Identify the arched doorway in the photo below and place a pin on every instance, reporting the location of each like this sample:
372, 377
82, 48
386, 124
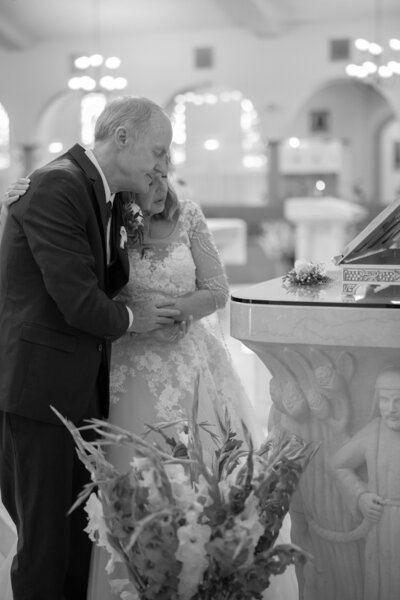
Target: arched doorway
66, 119
217, 147
389, 156
339, 128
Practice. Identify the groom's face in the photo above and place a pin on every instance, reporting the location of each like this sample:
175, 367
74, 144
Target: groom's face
145, 156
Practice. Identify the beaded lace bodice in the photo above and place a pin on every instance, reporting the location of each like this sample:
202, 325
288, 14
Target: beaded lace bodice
184, 261
164, 374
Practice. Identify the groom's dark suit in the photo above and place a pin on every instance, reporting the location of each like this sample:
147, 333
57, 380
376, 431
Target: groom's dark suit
57, 321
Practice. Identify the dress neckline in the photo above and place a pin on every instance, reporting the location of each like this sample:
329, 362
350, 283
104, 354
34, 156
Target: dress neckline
151, 238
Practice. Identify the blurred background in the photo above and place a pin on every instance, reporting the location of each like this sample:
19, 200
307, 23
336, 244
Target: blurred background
282, 110
270, 99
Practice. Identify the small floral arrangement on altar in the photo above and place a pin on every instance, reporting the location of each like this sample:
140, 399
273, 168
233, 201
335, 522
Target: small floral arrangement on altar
306, 273
185, 530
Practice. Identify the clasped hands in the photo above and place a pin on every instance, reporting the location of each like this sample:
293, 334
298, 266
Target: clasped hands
166, 322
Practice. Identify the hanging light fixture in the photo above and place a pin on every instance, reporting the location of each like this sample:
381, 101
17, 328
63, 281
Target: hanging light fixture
95, 72
376, 62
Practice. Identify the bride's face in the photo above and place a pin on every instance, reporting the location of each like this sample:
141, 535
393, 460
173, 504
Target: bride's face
153, 202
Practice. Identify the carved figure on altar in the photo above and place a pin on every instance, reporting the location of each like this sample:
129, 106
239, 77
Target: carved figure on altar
376, 497
310, 390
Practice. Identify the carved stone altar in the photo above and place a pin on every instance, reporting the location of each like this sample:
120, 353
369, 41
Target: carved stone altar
325, 353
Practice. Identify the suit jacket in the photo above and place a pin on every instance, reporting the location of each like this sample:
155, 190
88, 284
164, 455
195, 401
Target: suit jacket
57, 318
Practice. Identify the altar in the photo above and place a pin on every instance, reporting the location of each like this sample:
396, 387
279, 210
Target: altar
335, 367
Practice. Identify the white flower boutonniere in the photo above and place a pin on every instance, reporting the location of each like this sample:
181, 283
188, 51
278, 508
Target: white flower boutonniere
137, 215
124, 238
134, 221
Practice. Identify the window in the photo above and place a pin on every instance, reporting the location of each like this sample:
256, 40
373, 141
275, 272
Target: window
204, 58
319, 121
4, 139
91, 107
396, 155
339, 49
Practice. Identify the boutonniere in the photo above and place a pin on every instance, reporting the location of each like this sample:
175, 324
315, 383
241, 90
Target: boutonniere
124, 238
134, 222
137, 215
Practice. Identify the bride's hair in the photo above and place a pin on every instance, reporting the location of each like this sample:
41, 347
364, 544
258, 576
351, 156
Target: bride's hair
170, 212
171, 208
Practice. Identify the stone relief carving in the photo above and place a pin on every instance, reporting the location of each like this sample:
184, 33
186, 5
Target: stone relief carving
311, 397
376, 497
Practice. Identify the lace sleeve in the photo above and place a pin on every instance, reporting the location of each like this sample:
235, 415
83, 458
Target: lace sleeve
210, 272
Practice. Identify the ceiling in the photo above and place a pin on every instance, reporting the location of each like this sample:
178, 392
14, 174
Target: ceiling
26, 23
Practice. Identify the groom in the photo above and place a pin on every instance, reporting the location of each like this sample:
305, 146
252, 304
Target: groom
57, 321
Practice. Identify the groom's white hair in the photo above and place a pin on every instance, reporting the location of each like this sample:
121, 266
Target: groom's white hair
132, 112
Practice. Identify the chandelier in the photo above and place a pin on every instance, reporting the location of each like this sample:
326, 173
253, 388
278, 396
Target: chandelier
375, 61
96, 73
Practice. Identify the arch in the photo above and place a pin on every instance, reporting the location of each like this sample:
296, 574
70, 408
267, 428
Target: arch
358, 113
62, 123
217, 145
389, 160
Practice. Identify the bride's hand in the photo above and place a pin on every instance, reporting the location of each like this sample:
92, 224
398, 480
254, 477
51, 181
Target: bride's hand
168, 334
15, 190
172, 333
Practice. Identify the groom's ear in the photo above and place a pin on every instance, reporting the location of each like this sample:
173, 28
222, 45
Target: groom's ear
121, 136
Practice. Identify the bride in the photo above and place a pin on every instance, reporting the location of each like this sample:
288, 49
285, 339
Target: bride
153, 376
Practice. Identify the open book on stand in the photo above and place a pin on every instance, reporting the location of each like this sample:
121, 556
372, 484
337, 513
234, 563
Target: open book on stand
373, 256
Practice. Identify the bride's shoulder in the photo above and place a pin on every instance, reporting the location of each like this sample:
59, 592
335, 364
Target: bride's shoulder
190, 210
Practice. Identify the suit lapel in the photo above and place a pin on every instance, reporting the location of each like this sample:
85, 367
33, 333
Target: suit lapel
80, 157
117, 273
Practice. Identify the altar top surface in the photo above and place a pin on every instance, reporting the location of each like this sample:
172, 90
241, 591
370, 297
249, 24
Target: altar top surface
276, 292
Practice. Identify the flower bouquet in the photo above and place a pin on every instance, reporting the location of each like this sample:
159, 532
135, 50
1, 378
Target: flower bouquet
185, 530
306, 274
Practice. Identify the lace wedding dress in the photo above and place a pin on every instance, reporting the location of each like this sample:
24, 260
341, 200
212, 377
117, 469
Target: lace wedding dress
153, 381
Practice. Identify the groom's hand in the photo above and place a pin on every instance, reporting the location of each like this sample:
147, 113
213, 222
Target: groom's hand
148, 316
